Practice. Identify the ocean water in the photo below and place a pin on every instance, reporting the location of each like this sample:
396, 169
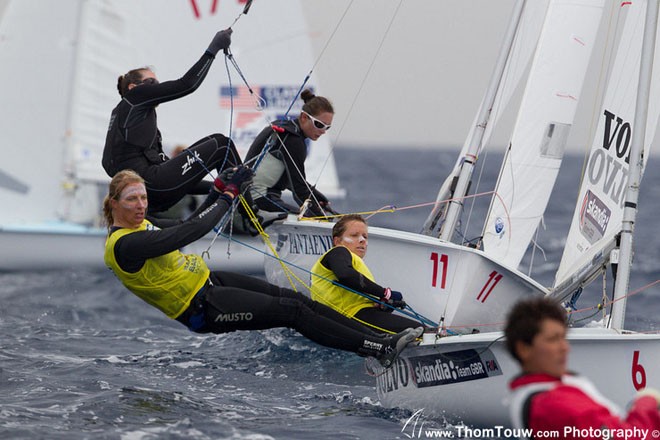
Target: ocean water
81, 358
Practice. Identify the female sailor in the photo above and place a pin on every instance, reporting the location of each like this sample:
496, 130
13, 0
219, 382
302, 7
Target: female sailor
280, 150
145, 256
134, 141
342, 280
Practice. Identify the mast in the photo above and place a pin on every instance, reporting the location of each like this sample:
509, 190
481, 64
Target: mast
637, 165
454, 208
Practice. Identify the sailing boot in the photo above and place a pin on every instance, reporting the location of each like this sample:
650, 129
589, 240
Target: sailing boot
397, 343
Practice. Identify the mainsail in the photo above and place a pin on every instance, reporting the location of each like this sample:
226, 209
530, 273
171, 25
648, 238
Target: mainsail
597, 218
545, 117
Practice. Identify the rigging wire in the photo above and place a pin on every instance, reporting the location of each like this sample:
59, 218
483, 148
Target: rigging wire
261, 101
364, 78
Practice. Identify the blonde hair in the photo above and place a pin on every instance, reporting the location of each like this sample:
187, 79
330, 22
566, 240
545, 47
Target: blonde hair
120, 181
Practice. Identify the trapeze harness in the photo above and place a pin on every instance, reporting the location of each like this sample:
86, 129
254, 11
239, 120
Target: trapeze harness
168, 282
281, 167
335, 296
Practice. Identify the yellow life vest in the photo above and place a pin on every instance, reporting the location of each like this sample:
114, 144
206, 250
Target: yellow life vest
342, 300
167, 282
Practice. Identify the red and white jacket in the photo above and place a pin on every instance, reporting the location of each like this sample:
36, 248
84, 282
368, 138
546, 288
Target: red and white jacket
547, 403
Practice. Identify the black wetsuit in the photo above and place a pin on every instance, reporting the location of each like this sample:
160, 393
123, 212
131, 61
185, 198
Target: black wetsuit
339, 261
231, 301
283, 167
134, 142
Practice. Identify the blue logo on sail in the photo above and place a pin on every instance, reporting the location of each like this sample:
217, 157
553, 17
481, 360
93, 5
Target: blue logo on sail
499, 226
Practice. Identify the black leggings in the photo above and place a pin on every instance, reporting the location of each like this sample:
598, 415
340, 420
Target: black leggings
169, 182
239, 302
383, 319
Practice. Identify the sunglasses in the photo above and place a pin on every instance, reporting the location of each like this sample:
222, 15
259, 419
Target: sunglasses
318, 124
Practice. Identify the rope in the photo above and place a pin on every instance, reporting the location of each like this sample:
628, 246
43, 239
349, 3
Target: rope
394, 208
266, 239
604, 304
366, 75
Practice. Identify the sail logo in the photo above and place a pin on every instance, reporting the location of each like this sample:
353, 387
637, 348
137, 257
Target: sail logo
594, 217
395, 377
607, 169
309, 244
453, 367
499, 226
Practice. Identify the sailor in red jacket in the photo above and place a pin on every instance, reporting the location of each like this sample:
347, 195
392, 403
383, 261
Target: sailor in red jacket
545, 397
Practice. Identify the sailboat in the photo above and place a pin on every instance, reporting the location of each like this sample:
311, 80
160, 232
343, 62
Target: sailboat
461, 372
55, 117
477, 298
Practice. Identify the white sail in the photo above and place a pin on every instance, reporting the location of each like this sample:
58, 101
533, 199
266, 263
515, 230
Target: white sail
598, 214
32, 36
526, 34
545, 117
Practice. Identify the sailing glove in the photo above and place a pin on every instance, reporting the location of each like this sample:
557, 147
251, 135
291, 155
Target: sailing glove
234, 180
392, 295
394, 298
222, 40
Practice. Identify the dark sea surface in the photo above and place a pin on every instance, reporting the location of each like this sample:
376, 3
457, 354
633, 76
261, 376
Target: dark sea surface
82, 358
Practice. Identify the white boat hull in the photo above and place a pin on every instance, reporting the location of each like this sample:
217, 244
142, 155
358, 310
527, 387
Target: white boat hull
474, 390
60, 245
438, 279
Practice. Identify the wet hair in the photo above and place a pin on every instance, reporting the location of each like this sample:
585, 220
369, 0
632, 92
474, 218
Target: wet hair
315, 105
131, 77
524, 321
340, 227
120, 181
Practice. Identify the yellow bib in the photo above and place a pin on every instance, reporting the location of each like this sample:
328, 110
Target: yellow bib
332, 295
167, 282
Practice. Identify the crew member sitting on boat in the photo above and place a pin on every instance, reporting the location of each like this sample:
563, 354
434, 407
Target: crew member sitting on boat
134, 142
279, 153
145, 256
546, 397
342, 280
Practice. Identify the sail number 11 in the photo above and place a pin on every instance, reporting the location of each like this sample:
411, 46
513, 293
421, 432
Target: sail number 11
439, 260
